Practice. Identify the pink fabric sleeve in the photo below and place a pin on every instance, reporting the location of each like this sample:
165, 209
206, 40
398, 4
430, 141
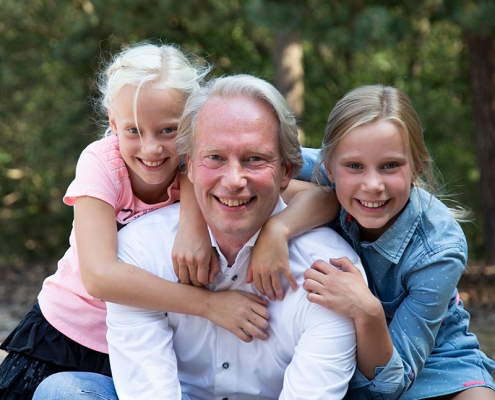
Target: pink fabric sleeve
95, 179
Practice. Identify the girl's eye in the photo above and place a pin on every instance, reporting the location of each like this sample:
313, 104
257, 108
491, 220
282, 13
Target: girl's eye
353, 166
169, 130
134, 130
390, 166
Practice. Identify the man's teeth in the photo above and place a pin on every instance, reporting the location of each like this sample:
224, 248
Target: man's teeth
372, 205
152, 163
233, 203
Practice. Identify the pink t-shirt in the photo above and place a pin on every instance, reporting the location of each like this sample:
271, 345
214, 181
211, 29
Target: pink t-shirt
101, 173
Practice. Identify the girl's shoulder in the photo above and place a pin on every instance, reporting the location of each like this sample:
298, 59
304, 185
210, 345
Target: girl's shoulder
108, 145
437, 221
107, 152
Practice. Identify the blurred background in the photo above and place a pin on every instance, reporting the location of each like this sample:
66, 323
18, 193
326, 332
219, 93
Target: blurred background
440, 52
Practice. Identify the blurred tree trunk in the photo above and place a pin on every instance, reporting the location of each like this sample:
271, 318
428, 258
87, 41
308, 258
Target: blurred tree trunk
482, 80
289, 71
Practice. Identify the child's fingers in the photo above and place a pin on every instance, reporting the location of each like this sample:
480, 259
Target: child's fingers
249, 274
261, 309
203, 274
290, 278
193, 275
344, 264
258, 284
176, 266
267, 283
214, 266
277, 287
257, 320
184, 274
322, 266
311, 285
252, 331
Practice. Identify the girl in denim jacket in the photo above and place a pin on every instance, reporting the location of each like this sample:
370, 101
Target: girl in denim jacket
412, 328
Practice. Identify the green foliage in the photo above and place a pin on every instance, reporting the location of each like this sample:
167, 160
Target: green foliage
50, 50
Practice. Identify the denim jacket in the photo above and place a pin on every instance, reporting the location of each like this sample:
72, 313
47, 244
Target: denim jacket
413, 269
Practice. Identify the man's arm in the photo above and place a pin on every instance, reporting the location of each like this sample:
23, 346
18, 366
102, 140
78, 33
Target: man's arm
140, 344
142, 357
325, 356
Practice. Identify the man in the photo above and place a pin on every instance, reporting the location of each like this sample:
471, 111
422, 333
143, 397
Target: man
240, 142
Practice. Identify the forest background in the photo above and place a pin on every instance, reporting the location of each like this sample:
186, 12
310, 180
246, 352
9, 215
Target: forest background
440, 52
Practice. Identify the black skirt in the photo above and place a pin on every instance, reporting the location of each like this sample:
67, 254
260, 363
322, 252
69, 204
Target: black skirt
38, 350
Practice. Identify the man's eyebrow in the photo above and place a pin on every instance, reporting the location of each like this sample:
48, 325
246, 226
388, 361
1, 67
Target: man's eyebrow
208, 149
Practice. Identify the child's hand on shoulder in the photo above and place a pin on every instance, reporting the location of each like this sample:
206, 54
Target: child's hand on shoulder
270, 261
195, 260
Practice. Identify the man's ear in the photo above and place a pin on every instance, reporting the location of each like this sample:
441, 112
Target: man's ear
189, 168
112, 121
286, 176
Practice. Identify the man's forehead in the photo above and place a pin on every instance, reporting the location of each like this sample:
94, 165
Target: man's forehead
235, 106
241, 121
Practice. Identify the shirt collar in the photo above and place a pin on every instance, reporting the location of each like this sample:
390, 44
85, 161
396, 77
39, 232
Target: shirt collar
249, 244
395, 240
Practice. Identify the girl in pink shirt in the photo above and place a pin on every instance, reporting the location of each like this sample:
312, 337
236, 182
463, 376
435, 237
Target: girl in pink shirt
131, 171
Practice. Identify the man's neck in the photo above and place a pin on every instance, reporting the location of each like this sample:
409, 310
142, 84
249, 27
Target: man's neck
230, 247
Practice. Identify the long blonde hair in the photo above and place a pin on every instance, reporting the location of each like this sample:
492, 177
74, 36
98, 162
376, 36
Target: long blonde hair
374, 103
162, 66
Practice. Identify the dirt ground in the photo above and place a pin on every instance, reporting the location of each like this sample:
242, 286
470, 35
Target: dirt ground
19, 286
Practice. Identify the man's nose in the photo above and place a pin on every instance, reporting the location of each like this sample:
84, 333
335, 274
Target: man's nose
234, 177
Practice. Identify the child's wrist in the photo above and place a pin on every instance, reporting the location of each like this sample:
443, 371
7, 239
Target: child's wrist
277, 227
370, 312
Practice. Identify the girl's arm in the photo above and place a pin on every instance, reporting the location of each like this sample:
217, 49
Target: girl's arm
309, 206
344, 291
195, 260
106, 278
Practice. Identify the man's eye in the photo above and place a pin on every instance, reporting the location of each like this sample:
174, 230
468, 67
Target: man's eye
255, 159
214, 157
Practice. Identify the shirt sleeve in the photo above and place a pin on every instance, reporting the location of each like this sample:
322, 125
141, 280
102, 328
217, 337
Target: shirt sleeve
388, 384
142, 358
311, 158
324, 359
93, 178
416, 322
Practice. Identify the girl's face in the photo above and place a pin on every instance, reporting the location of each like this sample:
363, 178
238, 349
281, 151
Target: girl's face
149, 152
372, 173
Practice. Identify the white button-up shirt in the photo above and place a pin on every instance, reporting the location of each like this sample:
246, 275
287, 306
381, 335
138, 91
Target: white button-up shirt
310, 353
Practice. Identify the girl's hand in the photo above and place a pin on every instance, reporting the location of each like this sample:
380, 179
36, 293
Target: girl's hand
338, 286
270, 260
195, 260
243, 314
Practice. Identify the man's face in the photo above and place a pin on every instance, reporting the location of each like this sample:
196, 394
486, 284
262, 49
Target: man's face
236, 166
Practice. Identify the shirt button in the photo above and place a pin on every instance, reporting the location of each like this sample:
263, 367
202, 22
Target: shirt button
225, 365
234, 278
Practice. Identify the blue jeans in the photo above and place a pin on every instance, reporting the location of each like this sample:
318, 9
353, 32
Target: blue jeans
76, 386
